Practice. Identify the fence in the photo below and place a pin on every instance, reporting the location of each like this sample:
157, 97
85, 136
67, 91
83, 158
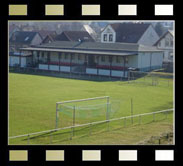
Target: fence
150, 78
47, 136
143, 78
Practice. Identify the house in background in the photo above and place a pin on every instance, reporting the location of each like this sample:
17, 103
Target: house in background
22, 39
138, 33
75, 36
165, 43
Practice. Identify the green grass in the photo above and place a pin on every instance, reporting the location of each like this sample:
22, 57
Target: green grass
32, 104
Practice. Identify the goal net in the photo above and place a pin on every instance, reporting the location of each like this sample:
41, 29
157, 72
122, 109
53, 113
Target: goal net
150, 78
83, 111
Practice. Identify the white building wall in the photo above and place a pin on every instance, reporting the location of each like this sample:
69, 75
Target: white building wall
54, 67
91, 71
168, 49
13, 61
157, 59
146, 60
162, 44
117, 73
43, 67
150, 60
23, 62
133, 61
65, 68
149, 37
104, 72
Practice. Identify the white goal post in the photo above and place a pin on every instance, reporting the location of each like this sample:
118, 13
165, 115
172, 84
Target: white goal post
74, 108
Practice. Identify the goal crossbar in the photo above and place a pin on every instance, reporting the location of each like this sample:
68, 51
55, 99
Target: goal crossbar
79, 100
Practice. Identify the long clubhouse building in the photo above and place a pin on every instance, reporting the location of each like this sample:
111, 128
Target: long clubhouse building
93, 58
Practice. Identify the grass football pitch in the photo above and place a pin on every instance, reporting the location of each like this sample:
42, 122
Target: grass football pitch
32, 106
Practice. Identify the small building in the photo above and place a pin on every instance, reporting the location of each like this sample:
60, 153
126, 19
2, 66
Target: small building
20, 59
21, 39
165, 43
93, 58
75, 36
138, 33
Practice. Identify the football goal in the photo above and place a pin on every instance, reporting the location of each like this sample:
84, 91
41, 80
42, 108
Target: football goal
78, 112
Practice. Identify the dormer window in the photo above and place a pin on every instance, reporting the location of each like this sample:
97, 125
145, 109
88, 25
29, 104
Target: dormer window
105, 37
111, 37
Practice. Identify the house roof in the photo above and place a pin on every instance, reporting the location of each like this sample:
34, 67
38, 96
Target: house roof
90, 52
171, 32
122, 49
98, 46
74, 36
167, 32
24, 37
45, 33
50, 37
129, 32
